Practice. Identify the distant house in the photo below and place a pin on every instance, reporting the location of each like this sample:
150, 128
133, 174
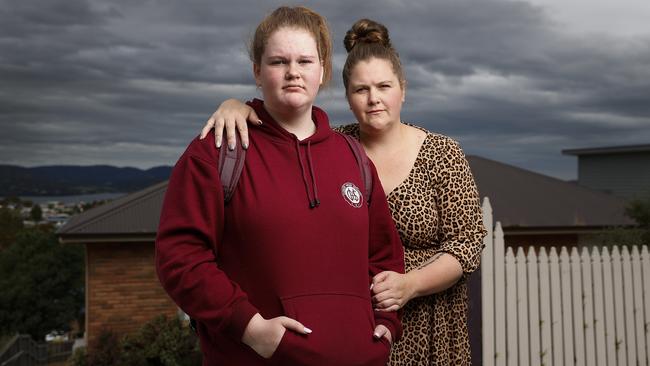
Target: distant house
536, 209
621, 170
122, 290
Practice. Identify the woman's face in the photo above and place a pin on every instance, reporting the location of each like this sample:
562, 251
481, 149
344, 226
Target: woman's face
290, 71
375, 94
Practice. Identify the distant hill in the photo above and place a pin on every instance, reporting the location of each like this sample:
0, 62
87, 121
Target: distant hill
59, 180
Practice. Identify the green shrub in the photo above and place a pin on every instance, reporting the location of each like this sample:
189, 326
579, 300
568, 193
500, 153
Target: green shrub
161, 342
79, 357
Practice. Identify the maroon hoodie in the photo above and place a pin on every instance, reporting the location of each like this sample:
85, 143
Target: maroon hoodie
290, 242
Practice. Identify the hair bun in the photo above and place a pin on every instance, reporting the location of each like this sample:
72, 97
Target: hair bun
366, 31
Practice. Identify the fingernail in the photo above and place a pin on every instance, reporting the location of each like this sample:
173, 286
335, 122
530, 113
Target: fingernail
376, 335
259, 121
372, 285
231, 147
245, 146
218, 144
307, 330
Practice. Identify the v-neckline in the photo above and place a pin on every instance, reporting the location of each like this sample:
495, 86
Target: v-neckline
418, 157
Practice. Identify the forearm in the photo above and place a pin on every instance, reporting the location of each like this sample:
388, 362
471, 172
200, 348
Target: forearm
439, 273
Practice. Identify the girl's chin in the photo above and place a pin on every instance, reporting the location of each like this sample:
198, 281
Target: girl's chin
295, 101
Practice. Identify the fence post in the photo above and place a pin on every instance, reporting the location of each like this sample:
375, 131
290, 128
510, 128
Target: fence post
499, 297
578, 300
619, 307
545, 301
487, 287
556, 308
645, 267
630, 344
640, 318
512, 346
533, 308
588, 296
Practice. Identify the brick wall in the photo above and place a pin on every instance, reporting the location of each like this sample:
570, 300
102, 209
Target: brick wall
122, 289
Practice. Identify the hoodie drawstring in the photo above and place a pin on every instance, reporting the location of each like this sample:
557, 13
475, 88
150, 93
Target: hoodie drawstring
313, 175
313, 201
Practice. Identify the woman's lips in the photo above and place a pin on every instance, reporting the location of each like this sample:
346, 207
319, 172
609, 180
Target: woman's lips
292, 87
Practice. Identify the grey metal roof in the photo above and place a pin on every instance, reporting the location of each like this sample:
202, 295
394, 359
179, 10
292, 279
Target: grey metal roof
607, 150
519, 198
136, 214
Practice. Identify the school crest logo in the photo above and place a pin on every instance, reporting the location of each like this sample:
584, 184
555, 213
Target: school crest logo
352, 194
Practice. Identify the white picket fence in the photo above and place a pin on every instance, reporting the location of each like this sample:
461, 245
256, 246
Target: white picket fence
587, 307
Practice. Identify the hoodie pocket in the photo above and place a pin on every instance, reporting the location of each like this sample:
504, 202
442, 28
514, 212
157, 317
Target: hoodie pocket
342, 332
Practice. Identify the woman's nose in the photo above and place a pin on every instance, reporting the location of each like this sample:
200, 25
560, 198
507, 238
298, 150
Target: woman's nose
292, 71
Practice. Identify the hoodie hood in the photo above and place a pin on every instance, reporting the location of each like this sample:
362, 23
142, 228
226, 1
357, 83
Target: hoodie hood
302, 148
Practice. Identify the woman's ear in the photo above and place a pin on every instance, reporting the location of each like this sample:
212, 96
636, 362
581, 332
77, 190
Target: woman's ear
256, 73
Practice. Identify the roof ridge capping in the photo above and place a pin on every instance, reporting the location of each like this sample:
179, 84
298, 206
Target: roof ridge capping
621, 149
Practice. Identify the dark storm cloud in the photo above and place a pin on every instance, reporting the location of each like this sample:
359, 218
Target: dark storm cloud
130, 83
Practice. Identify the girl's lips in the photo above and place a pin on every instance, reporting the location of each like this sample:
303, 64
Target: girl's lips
292, 87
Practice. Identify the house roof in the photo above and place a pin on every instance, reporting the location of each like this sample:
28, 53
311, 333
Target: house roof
520, 198
607, 150
136, 215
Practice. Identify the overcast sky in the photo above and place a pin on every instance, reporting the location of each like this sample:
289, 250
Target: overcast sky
130, 83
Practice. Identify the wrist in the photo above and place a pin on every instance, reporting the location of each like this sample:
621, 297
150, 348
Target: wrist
254, 327
412, 281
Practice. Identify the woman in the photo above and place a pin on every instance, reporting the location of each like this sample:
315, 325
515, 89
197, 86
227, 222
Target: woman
431, 194
264, 276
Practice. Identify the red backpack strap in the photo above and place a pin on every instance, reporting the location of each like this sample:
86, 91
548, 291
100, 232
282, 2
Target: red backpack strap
364, 164
231, 163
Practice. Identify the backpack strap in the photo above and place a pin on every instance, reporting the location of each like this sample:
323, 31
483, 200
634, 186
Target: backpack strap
231, 163
364, 164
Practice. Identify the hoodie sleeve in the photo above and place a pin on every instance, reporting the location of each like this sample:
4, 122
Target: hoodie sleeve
386, 250
191, 225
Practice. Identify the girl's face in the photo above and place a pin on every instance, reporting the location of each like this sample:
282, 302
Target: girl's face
375, 94
290, 71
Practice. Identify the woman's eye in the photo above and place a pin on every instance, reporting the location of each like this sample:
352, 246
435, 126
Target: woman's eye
305, 61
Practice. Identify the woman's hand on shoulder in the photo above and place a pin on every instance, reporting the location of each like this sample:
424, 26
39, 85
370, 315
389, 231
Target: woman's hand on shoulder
391, 290
231, 115
264, 336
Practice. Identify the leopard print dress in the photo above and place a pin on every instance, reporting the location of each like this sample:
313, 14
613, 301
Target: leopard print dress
436, 209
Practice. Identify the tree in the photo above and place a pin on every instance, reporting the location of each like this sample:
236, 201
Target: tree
639, 211
42, 284
36, 214
10, 224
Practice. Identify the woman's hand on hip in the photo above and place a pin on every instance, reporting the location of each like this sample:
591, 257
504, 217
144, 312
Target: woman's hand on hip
231, 116
391, 290
264, 336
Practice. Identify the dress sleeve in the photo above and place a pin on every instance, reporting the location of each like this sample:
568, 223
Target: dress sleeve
460, 227
386, 250
191, 225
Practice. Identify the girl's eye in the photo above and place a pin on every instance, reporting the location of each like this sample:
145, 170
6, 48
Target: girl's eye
278, 62
384, 86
